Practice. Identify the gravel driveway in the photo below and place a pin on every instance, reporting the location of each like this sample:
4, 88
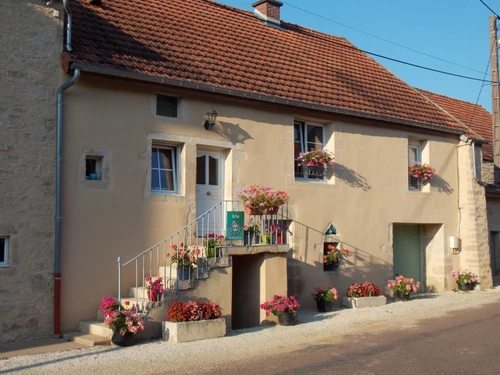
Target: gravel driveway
159, 357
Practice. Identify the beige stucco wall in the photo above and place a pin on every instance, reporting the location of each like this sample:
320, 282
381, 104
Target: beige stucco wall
366, 195
31, 40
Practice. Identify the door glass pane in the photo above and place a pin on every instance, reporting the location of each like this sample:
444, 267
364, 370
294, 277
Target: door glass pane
200, 170
213, 171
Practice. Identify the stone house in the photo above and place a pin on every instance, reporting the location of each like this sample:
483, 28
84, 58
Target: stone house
142, 165
479, 121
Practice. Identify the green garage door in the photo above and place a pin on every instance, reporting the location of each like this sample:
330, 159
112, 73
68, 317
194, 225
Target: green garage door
407, 255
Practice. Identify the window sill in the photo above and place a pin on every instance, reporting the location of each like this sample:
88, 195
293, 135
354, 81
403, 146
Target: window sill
166, 193
311, 180
4, 265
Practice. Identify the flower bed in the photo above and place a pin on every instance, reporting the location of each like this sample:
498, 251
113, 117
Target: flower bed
193, 321
363, 295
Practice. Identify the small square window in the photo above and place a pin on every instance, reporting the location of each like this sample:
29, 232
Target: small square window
164, 177
4, 248
93, 167
166, 106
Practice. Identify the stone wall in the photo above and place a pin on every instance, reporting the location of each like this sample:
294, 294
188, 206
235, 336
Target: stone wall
488, 172
31, 40
474, 255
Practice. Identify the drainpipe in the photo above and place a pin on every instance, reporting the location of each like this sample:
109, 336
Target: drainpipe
69, 24
57, 247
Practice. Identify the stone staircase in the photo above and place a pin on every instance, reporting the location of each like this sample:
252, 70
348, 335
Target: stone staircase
94, 332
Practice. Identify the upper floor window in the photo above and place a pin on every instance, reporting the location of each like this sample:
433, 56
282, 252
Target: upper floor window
4, 251
414, 155
166, 106
307, 137
164, 169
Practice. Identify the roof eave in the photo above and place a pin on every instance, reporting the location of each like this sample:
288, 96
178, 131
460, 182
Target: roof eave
254, 96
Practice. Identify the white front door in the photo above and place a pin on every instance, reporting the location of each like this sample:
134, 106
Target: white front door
209, 192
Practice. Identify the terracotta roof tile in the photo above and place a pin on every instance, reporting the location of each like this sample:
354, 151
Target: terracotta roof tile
212, 44
475, 117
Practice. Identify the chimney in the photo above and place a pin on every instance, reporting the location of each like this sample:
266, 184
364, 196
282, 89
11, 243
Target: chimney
268, 10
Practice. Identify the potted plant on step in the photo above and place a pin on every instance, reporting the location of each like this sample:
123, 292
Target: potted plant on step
124, 323
277, 234
185, 257
324, 298
404, 287
316, 162
465, 280
251, 234
285, 308
262, 199
155, 289
213, 245
331, 260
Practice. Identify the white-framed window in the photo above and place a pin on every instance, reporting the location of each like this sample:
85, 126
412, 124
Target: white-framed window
414, 155
4, 251
307, 137
164, 169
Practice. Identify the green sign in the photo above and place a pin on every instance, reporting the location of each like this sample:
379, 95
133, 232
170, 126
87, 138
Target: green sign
234, 225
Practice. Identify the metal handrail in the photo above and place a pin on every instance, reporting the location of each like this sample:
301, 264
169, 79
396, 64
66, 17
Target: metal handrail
203, 234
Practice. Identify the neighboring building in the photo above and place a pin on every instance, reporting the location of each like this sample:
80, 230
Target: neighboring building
479, 121
31, 40
150, 72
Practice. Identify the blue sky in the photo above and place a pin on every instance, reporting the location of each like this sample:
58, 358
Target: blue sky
454, 30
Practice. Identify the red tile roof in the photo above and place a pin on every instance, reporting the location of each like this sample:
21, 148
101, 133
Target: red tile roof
476, 118
203, 42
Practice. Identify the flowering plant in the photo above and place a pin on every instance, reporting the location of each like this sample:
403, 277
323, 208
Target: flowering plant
404, 285
251, 228
184, 256
192, 311
316, 158
277, 231
367, 289
211, 242
280, 305
334, 255
423, 171
328, 293
463, 277
155, 286
119, 319
261, 198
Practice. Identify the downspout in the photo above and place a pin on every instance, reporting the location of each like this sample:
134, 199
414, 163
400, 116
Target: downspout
58, 218
69, 25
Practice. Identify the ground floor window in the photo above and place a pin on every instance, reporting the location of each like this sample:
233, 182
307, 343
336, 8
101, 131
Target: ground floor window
164, 169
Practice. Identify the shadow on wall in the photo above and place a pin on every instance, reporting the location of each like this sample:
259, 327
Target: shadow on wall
233, 133
360, 266
441, 185
351, 177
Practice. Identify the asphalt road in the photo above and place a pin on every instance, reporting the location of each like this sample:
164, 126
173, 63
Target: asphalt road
458, 343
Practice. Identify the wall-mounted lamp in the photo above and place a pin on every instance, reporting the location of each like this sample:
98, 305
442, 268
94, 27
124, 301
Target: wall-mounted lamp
210, 121
455, 244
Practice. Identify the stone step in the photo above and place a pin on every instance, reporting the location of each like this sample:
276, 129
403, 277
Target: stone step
96, 328
87, 339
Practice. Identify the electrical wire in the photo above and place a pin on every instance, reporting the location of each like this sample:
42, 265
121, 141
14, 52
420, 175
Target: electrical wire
491, 10
383, 39
481, 89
